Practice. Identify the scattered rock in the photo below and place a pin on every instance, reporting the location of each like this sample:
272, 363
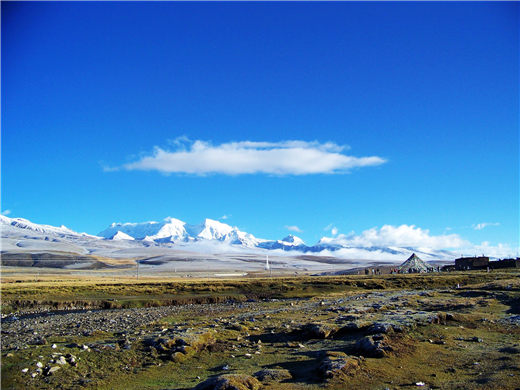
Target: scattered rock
442, 318
61, 361
317, 331
338, 365
51, 370
38, 341
380, 327
230, 382
374, 346
273, 375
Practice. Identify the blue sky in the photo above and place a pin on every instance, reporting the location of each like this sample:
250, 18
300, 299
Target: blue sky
90, 91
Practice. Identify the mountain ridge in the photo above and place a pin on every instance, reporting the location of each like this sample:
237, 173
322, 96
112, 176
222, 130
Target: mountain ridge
174, 233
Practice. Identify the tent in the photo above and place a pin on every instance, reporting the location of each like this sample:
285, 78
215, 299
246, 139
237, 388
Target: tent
414, 264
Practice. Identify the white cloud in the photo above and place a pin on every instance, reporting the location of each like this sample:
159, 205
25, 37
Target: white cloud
499, 251
294, 228
226, 216
292, 157
400, 236
414, 237
482, 225
333, 229
6, 212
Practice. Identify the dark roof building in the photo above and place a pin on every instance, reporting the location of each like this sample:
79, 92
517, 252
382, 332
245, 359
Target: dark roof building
464, 263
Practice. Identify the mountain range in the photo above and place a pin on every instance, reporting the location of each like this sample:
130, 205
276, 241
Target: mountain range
210, 236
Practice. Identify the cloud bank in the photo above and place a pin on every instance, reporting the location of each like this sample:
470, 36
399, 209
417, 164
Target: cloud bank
414, 237
248, 157
399, 236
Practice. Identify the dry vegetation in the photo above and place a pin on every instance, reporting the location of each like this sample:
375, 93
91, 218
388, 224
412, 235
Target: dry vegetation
373, 332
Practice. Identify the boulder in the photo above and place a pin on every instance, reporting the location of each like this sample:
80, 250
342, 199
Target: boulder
338, 365
230, 382
317, 331
383, 327
273, 375
374, 346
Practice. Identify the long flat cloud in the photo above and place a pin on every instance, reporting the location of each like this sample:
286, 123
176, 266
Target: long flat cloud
248, 157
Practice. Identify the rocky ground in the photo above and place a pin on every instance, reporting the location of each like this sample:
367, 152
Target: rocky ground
432, 338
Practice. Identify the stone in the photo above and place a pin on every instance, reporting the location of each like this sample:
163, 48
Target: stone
38, 341
373, 346
338, 365
317, 331
383, 327
273, 375
230, 382
61, 361
51, 370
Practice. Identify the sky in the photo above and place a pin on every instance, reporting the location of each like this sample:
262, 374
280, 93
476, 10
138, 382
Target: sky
376, 122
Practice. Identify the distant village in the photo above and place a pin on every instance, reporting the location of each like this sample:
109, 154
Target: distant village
481, 262
415, 265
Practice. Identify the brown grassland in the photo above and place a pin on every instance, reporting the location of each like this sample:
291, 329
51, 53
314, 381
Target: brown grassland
307, 332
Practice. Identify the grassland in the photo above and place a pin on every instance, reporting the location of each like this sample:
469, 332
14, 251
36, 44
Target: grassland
311, 332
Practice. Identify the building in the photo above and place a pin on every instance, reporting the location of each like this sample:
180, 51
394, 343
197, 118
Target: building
505, 263
465, 263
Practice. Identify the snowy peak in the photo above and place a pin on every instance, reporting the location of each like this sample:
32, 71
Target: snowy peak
121, 236
22, 223
170, 227
211, 230
172, 230
293, 240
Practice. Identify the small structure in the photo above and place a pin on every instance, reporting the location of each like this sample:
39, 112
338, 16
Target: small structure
413, 265
466, 263
505, 263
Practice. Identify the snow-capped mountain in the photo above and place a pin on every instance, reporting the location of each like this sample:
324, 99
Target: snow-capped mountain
25, 224
293, 240
121, 236
210, 236
173, 230
169, 228
288, 243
